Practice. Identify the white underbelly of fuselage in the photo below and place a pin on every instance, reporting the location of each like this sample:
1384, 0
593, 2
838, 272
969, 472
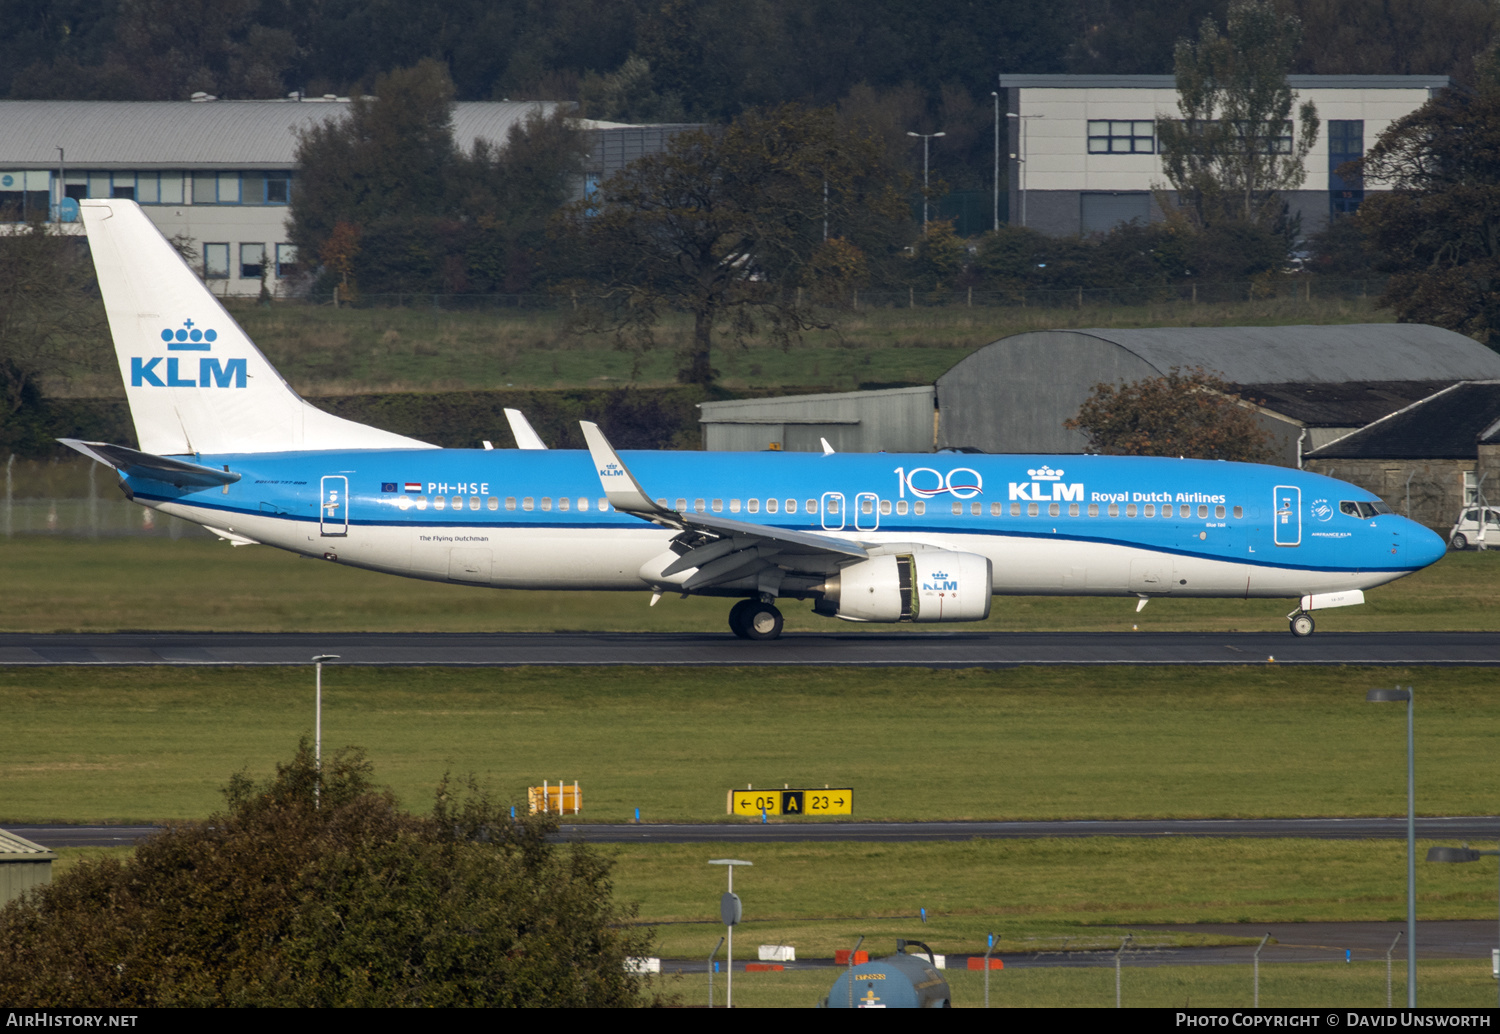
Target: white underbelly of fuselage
611, 559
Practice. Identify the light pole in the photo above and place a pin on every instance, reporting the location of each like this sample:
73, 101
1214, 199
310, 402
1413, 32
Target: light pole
318, 729
927, 139
996, 226
1459, 854
1022, 159
729, 911
1381, 696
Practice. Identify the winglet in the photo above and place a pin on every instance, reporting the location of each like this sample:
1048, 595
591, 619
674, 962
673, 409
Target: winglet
827, 449
526, 436
624, 491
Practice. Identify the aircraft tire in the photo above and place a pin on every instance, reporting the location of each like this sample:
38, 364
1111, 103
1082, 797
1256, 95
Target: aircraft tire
1460, 542
762, 621
1302, 625
739, 618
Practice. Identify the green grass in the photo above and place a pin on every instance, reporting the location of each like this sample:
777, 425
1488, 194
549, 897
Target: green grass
126, 744
1462, 984
78, 584
325, 351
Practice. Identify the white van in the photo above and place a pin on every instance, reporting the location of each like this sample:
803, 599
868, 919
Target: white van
1465, 531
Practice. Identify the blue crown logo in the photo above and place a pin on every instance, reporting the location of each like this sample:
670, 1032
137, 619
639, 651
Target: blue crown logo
188, 338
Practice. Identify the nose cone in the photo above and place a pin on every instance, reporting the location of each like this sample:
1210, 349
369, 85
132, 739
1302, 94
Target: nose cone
1423, 547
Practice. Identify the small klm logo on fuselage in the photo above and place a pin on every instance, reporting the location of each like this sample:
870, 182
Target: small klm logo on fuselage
146, 372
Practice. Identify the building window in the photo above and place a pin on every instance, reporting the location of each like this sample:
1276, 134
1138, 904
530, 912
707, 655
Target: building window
1471, 487
216, 261
252, 261
286, 260
1110, 137
1346, 143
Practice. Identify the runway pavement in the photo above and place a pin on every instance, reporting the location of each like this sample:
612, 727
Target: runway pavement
1472, 827
840, 649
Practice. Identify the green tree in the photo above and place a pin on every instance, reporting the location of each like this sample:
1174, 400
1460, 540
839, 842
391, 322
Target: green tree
1186, 413
1437, 229
314, 890
1234, 148
723, 224
51, 321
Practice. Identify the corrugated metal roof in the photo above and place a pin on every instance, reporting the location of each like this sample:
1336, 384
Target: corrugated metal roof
1168, 82
19, 849
1308, 354
1339, 405
1446, 426
188, 134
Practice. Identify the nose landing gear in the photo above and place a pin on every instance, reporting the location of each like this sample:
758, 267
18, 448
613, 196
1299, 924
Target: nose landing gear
1302, 623
755, 619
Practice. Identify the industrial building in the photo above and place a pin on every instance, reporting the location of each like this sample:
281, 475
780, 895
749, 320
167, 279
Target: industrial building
1308, 385
219, 174
24, 866
1084, 155
893, 420
1428, 460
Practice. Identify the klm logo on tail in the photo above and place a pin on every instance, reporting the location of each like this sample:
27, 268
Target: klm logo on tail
148, 373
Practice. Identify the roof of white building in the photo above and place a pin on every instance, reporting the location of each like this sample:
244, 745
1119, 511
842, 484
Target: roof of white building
200, 134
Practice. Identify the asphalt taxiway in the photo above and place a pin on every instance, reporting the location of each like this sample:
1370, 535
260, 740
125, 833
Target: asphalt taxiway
836, 649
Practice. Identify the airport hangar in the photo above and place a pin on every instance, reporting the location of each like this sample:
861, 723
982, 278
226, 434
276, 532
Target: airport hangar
220, 173
1308, 385
1084, 155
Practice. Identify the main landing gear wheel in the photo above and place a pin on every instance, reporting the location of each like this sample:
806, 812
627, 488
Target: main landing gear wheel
752, 619
739, 617
1302, 624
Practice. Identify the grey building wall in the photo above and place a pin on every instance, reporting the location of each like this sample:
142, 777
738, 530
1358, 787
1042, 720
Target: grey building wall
1430, 492
893, 420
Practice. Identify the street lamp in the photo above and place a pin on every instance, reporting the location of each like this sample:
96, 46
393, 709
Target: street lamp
1022, 159
996, 227
729, 911
1459, 854
1381, 696
927, 139
318, 729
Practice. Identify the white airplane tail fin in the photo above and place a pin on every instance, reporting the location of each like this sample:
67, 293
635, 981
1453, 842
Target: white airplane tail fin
195, 381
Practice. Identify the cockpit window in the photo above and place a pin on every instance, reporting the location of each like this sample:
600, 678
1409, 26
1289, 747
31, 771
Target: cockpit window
1354, 509
1351, 508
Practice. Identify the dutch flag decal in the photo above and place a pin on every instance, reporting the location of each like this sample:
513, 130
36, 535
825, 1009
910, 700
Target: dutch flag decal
414, 486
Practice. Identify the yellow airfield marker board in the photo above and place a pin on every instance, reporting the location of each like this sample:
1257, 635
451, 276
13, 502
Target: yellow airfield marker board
789, 802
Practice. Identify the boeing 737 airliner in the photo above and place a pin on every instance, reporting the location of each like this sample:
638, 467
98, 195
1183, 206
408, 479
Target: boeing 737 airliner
226, 443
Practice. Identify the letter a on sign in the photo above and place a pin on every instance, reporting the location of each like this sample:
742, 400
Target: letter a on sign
791, 802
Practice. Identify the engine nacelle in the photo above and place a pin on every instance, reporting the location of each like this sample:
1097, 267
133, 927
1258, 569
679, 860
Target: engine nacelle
932, 585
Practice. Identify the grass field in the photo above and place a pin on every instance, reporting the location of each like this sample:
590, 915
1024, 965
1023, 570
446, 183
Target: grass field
325, 351
1446, 984
131, 744
79, 584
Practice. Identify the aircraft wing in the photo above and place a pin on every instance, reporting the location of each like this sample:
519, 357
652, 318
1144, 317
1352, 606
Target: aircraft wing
721, 549
147, 465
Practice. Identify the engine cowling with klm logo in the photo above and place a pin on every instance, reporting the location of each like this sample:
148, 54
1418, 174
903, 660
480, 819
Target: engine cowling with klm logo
921, 586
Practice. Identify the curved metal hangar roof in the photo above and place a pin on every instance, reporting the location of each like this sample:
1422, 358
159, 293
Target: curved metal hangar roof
1013, 395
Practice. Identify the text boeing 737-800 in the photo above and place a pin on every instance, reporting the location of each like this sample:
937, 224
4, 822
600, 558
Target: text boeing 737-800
226, 443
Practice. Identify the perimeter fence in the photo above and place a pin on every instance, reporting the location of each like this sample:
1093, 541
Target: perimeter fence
76, 498
1290, 289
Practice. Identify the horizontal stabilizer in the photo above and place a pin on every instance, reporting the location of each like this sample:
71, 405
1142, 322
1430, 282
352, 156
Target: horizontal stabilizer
135, 463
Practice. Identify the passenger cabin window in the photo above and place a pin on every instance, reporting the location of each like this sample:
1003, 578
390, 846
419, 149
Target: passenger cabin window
1114, 509
1202, 511
583, 502
1150, 511
753, 506
812, 506
885, 507
1219, 512
958, 509
1072, 509
681, 505
919, 508
997, 509
510, 502
1166, 510
866, 505
528, 503
699, 506
563, 503
546, 502
439, 503
1015, 509
1130, 510
1239, 511
773, 505
1093, 509
421, 502
1054, 509
718, 506
603, 505
734, 506
493, 502
473, 502
901, 508
1032, 509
